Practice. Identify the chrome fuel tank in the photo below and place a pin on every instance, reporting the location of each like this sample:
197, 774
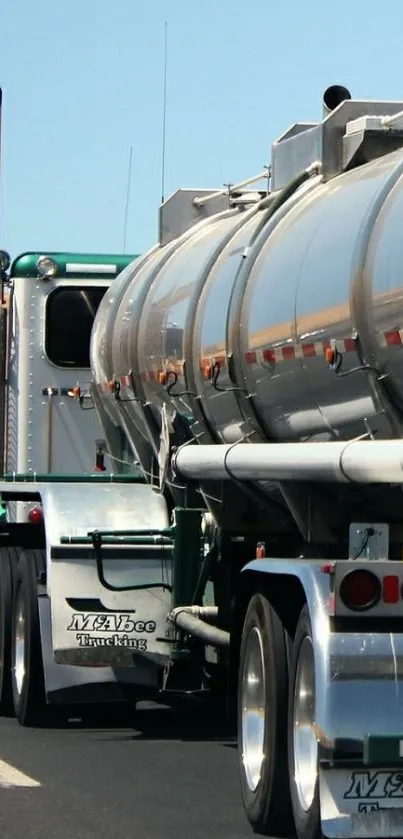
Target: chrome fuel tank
100, 337
102, 356
235, 337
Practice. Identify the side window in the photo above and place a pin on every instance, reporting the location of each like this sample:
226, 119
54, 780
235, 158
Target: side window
69, 317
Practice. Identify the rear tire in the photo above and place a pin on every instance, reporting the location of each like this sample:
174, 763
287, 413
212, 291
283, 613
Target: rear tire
262, 720
8, 574
27, 675
302, 742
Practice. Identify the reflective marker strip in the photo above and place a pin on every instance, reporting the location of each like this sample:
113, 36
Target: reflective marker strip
85, 268
394, 338
11, 777
287, 352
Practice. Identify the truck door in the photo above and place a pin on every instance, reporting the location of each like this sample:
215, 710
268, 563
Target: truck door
69, 429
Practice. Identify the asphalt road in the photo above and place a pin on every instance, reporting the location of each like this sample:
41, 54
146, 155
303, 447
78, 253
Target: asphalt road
161, 775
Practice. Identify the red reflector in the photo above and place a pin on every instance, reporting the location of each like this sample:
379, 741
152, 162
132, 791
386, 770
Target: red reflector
393, 338
360, 590
35, 515
391, 589
327, 568
288, 353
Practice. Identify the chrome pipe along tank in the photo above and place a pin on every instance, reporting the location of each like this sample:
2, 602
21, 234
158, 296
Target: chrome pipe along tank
287, 330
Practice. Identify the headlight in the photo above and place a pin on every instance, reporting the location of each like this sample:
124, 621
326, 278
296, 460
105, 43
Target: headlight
4, 261
46, 267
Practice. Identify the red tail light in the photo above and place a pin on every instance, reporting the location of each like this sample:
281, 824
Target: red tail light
35, 515
360, 590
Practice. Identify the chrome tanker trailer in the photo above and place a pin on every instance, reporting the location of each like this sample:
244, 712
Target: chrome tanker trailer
253, 364
254, 359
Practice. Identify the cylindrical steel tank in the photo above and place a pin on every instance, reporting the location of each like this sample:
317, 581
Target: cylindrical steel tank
325, 268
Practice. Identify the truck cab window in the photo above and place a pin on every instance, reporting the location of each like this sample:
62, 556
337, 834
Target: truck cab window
70, 314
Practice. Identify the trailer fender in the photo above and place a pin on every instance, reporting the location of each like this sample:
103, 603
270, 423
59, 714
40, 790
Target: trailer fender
357, 689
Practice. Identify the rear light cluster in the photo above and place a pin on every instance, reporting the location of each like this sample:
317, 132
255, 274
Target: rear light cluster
35, 515
361, 590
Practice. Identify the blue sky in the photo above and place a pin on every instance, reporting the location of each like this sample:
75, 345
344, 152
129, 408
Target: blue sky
82, 82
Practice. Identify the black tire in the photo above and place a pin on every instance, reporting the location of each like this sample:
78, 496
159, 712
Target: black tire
8, 574
267, 806
29, 693
306, 819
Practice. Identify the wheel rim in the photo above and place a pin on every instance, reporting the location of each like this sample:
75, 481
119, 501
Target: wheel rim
19, 645
253, 709
305, 742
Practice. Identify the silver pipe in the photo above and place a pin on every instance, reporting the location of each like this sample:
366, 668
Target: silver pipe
207, 612
362, 462
388, 122
49, 430
189, 618
199, 202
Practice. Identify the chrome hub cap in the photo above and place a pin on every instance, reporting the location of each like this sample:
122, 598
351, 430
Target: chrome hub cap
253, 709
305, 742
19, 645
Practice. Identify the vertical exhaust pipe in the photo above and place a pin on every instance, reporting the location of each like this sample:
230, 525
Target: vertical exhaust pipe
334, 96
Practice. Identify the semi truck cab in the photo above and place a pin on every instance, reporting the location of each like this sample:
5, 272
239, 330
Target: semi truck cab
49, 304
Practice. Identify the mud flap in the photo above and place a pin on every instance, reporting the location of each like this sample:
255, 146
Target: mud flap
69, 684
361, 802
95, 626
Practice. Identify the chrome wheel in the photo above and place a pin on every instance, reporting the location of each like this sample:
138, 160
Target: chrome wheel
304, 736
19, 644
253, 708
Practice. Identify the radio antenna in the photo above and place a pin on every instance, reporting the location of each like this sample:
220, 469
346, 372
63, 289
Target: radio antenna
1, 195
164, 113
129, 180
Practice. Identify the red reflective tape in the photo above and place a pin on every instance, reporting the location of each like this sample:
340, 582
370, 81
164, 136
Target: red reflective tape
288, 353
350, 344
308, 350
391, 589
393, 338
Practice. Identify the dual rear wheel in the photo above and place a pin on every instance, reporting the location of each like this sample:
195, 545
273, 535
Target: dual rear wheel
22, 683
22, 690
277, 746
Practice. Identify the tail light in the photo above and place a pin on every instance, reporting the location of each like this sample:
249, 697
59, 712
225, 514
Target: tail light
360, 590
35, 515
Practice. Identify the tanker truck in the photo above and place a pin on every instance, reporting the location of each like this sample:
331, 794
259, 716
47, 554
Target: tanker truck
48, 305
253, 362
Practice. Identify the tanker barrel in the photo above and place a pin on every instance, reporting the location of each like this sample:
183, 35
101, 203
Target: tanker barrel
334, 96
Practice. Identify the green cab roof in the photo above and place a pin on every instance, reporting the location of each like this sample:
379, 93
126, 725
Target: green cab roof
73, 265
